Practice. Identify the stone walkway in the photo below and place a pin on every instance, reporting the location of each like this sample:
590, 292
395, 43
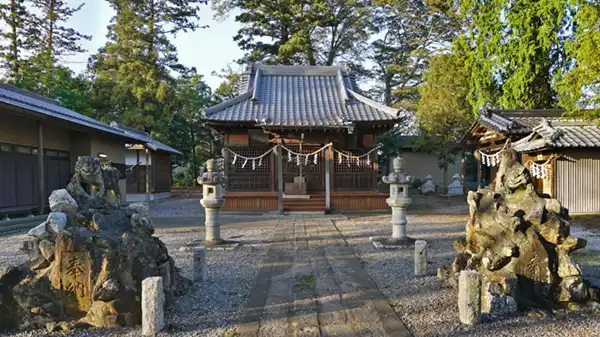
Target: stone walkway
312, 284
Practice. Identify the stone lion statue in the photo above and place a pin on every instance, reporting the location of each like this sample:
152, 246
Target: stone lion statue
89, 170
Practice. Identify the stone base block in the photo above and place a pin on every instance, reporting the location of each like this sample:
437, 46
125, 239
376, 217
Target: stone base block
211, 245
391, 243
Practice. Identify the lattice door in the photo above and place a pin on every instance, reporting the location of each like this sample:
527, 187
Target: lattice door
350, 174
245, 178
314, 173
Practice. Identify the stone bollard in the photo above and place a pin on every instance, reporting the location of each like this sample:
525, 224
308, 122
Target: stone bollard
469, 296
153, 301
199, 268
420, 258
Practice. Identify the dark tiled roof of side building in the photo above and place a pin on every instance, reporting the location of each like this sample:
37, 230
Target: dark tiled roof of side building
152, 143
300, 96
45, 106
517, 121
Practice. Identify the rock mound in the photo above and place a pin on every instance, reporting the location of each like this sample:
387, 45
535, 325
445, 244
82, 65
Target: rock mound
520, 243
86, 267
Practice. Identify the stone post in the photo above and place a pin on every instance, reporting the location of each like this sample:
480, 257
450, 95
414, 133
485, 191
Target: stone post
469, 296
420, 258
212, 200
199, 268
398, 200
153, 301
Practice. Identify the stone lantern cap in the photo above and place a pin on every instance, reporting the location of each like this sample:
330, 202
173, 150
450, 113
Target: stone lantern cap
212, 176
398, 176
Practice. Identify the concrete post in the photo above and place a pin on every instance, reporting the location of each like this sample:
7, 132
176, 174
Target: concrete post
420, 258
153, 300
199, 267
469, 296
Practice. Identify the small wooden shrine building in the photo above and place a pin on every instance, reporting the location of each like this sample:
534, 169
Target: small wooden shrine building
301, 121
563, 154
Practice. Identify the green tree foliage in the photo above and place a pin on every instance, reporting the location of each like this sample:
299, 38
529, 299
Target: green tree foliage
18, 35
71, 90
228, 88
53, 40
515, 49
311, 32
444, 112
133, 71
186, 131
410, 32
579, 88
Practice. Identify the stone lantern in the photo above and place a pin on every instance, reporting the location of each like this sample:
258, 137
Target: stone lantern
398, 200
212, 200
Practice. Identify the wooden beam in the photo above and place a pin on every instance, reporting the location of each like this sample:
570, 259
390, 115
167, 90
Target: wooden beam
41, 170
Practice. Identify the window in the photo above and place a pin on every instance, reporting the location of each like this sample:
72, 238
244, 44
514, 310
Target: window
6, 148
24, 149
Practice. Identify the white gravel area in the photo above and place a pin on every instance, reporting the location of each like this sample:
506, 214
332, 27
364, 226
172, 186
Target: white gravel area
210, 309
177, 206
423, 304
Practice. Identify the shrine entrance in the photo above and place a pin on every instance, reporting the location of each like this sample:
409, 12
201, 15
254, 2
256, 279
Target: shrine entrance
314, 172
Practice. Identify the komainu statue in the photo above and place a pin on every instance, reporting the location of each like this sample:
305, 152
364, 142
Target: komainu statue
520, 243
89, 171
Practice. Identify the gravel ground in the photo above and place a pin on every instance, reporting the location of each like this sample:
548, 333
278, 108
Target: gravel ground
177, 206
431, 310
211, 309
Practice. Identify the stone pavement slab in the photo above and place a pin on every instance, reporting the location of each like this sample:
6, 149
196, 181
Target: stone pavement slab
312, 284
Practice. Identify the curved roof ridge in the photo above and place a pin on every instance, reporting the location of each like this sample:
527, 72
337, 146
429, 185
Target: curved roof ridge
240, 98
374, 104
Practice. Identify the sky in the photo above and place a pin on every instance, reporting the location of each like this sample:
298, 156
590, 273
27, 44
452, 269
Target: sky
208, 50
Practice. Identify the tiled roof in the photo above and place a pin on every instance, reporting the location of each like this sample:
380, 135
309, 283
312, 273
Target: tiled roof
153, 144
560, 134
300, 96
514, 122
35, 103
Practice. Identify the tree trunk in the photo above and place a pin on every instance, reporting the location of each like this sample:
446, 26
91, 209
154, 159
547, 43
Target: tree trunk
14, 43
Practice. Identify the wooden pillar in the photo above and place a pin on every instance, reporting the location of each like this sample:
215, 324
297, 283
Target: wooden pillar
479, 172
147, 174
41, 170
462, 166
554, 175
225, 155
327, 180
375, 158
280, 180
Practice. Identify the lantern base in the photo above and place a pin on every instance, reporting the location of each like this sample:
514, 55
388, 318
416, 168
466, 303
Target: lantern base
392, 243
217, 244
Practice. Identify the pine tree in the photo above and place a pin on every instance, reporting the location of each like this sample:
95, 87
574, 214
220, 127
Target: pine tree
133, 81
53, 40
18, 35
411, 32
310, 32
